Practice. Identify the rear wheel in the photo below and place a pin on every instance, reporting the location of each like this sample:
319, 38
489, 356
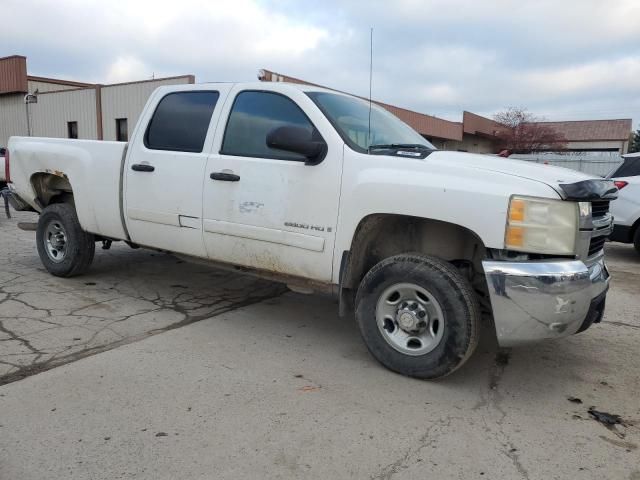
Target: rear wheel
417, 315
64, 248
636, 239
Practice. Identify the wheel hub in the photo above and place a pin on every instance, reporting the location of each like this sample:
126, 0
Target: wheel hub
410, 318
58, 240
55, 241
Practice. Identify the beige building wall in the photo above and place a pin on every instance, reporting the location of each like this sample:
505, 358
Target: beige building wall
127, 100
470, 143
42, 86
13, 117
620, 145
52, 112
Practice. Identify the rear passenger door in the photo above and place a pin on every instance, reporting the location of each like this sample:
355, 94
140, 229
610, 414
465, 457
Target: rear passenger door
165, 168
264, 208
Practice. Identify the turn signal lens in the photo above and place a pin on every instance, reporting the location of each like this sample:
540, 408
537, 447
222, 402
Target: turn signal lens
515, 236
516, 210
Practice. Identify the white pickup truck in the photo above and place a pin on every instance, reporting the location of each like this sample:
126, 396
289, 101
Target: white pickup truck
308, 187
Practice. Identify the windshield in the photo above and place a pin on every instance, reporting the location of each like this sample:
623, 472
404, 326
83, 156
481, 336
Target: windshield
350, 116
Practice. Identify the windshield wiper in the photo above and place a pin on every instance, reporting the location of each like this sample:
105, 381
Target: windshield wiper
396, 146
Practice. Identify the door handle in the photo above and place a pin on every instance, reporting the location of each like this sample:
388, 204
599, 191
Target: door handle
225, 177
142, 167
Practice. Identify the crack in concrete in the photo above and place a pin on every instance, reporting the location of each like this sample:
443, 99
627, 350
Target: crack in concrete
512, 454
425, 440
493, 400
620, 324
13, 336
130, 296
56, 360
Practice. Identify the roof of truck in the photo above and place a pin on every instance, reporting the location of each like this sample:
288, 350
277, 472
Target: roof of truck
263, 86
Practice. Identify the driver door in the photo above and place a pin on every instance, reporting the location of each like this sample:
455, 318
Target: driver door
264, 208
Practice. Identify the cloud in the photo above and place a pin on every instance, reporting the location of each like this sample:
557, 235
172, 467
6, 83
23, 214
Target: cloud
159, 34
127, 68
623, 74
433, 56
439, 94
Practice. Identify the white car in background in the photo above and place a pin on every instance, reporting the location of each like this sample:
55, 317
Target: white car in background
626, 209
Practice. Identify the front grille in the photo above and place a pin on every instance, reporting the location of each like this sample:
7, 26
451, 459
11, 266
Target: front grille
599, 208
596, 244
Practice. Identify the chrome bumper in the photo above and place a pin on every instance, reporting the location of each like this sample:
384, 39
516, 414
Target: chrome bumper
537, 300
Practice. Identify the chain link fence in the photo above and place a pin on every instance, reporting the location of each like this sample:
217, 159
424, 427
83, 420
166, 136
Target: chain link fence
599, 165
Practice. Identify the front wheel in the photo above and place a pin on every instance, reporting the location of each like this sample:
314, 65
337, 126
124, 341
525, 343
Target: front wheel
417, 315
64, 248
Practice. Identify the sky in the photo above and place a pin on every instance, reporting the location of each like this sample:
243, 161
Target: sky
560, 59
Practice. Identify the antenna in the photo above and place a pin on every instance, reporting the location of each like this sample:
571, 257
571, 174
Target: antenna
370, 83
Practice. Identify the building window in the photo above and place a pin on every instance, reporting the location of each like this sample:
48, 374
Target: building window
181, 121
122, 131
72, 129
253, 116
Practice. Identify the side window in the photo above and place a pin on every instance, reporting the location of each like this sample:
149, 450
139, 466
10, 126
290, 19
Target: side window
122, 131
181, 121
253, 116
72, 129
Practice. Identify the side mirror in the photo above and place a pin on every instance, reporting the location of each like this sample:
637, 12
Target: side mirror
298, 140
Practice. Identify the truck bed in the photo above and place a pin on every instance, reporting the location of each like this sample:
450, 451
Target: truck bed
93, 168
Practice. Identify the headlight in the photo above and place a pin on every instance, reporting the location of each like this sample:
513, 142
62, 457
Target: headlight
541, 225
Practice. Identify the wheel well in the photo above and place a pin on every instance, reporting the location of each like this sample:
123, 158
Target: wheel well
634, 229
381, 236
52, 188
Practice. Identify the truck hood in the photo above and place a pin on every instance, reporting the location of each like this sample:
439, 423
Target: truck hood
547, 174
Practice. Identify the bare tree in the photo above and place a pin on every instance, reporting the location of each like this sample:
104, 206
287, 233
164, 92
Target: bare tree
524, 134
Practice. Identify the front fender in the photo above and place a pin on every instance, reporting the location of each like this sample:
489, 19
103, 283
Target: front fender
471, 198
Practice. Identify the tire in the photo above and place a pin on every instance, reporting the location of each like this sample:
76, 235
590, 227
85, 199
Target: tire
636, 239
433, 347
64, 248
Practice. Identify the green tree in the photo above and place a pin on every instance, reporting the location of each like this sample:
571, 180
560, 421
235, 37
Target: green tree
634, 142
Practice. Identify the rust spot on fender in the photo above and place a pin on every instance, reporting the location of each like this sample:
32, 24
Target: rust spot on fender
57, 173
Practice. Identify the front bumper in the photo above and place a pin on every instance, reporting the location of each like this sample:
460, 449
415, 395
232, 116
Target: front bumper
538, 300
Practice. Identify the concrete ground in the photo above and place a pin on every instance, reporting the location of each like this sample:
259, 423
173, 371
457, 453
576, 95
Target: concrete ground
127, 295
274, 385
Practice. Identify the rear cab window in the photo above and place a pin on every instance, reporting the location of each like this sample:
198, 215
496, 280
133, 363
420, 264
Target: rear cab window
181, 121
